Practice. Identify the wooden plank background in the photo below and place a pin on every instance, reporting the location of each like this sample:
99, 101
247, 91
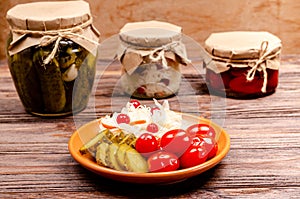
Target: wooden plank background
263, 162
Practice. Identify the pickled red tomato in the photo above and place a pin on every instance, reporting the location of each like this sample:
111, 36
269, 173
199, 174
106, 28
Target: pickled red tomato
242, 85
197, 141
235, 80
226, 77
213, 151
135, 103
146, 144
141, 90
194, 155
209, 143
175, 141
123, 118
163, 161
201, 129
152, 128
202, 149
272, 79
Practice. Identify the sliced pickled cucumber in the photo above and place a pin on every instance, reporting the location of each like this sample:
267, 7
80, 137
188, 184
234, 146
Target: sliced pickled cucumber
121, 155
135, 161
114, 149
91, 146
112, 158
101, 154
129, 139
117, 137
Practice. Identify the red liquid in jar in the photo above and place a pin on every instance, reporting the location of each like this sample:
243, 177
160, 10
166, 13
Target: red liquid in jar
234, 83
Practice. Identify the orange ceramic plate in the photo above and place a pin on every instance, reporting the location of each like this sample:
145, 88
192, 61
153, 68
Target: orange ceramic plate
89, 130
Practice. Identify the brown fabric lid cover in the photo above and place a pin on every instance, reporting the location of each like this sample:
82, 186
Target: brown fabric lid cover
150, 33
32, 23
241, 44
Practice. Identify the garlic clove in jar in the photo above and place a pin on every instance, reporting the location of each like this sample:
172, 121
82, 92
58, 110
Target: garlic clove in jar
70, 74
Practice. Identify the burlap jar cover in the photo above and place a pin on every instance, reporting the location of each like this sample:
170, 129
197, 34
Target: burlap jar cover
242, 49
151, 42
42, 35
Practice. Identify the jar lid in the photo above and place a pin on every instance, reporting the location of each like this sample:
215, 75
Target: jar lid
44, 16
41, 23
241, 44
150, 33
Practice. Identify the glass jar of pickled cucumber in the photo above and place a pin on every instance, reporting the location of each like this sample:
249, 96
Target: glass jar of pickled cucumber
151, 53
245, 64
52, 50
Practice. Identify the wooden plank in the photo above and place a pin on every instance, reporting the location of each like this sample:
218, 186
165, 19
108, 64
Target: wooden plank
264, 160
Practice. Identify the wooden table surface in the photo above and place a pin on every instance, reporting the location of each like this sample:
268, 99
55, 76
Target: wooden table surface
263, 161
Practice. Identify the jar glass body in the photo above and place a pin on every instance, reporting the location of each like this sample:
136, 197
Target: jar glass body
233, 82
152, 80
60, 87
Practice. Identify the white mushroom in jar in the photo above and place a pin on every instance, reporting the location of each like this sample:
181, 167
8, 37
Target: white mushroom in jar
70, 74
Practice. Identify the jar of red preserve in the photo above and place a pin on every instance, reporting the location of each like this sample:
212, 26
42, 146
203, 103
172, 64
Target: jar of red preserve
244, 64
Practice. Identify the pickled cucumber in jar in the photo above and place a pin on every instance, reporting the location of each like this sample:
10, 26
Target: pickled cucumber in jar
59, 87
52, 55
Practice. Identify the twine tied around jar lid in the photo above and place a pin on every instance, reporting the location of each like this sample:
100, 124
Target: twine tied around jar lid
263, 55
156, 40
160, 51
56, 36
32, 24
